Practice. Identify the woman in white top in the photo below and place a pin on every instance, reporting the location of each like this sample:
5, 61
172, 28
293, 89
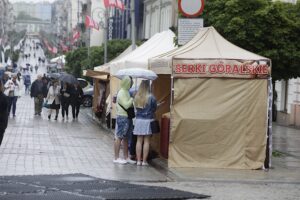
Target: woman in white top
53, 99
12, 90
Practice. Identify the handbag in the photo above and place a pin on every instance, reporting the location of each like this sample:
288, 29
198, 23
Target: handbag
130, 112
46, 105
154, 125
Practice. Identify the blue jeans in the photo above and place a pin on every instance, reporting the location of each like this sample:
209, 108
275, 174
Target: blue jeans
12, 102
124, 127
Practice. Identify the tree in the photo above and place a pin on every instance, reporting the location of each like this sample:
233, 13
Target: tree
78, 60
268, 28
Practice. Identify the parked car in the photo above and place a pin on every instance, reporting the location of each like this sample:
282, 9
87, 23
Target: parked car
88, 92
88, 95
84, 84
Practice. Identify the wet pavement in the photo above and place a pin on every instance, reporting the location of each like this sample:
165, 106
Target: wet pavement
79, 186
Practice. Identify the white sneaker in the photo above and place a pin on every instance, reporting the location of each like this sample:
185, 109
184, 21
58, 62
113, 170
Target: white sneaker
120, 161
130, 161
145, 164
138, 163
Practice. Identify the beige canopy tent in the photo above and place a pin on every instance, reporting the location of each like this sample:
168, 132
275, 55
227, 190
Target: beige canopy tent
219, 104
158, 44
104, 70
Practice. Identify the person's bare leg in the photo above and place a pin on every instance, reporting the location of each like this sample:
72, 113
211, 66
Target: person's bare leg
146, 147
117, 148
139, 143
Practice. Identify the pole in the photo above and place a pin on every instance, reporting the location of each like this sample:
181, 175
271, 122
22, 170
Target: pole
132, 25
105, 33
89, 44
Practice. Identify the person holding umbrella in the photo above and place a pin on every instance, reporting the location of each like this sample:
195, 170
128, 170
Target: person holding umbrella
76, 99
65, 93
53, 99
124, 102
145, 104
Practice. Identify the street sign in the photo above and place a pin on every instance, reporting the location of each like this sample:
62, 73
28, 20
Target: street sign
191, 8
188, 28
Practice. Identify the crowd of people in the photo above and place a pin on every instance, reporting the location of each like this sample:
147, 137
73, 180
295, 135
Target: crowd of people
143, 104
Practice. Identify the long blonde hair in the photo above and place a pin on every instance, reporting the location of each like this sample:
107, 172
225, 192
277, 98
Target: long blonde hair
143, 94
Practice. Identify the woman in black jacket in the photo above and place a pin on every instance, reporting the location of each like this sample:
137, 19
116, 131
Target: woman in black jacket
65, 97
76, 99
3, 112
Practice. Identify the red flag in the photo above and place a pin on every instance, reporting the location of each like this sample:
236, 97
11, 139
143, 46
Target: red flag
114, 3
54, 50
76, 36
109, 3
120, 4
63, 46
90, 23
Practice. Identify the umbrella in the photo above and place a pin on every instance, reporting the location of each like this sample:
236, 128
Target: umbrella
68, 78
136, 73
55, 75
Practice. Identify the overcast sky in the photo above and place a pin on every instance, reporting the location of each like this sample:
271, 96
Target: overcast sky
13, 1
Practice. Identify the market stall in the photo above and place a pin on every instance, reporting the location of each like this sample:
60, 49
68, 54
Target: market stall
158, 44
219, 104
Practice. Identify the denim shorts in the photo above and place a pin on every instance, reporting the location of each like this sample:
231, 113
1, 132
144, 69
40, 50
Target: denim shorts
124, 127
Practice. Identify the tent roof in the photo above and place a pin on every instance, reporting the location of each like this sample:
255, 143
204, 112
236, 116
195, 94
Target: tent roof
56, 59
158, 44
207, 44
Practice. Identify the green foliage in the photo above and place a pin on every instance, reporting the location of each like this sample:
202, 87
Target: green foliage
15, 56
277, 154
268, 28
78, 60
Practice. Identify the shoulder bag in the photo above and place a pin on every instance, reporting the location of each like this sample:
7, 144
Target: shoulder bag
130, 112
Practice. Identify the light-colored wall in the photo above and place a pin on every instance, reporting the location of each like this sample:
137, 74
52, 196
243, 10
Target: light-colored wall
293, 94
159, 15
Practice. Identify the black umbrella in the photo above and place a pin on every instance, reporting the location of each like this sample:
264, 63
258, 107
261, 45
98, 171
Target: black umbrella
68, 78
55, 75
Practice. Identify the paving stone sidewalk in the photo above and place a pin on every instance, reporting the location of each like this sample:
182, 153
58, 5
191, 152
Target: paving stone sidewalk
34, 145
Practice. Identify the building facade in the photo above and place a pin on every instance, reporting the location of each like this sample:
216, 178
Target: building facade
32, 17
159, 15
7, 24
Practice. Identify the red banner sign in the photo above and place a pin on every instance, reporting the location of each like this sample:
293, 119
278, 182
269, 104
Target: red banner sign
224, 68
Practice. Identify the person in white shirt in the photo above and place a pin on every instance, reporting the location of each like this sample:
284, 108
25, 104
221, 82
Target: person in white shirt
12, 90
53, 99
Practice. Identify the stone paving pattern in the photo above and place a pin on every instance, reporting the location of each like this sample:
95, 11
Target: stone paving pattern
34, 145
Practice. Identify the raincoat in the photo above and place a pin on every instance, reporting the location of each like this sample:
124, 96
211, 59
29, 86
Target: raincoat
123, 97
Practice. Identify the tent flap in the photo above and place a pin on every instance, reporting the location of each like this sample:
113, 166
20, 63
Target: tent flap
218, 123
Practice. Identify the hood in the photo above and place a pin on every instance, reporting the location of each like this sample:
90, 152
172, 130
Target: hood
126, 83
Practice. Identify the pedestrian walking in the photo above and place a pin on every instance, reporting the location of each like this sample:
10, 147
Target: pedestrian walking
124, 102
65, 93
36, 67
53, 99
27, 83
145, 105
12, 88
3, 112
37, 93
76, 99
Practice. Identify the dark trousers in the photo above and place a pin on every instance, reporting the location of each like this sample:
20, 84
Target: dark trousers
132, 140
65, 108
1, 135
12, 102
75, 109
